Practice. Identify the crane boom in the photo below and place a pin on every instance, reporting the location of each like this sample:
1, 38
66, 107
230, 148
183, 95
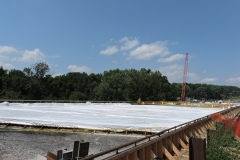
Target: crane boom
184, 79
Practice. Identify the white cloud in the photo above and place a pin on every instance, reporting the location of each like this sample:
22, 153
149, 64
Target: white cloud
75, 68
6, 65
31, 56
2, 57
173, 58
233, 80
110, 50
148, 51
57, 74
208, 80
7, 49
128, 44
173, 72
192, 77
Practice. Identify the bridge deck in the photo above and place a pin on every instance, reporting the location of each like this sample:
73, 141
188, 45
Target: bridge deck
169, 144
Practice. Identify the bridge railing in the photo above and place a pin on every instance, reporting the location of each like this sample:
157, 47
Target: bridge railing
165, 144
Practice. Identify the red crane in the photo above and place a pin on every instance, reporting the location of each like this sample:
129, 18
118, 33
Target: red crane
184, 79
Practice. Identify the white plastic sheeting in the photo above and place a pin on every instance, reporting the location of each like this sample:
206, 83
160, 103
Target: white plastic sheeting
101, 116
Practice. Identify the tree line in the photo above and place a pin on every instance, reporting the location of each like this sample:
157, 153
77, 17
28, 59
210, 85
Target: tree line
35, 83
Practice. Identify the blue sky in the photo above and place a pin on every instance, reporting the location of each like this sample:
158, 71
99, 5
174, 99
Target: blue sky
94, 36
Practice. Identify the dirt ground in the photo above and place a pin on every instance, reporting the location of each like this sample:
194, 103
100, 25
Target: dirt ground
27, 145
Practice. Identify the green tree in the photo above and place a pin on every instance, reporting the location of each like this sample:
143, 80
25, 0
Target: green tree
16, 84
76, 82
3, 81
113, 86
36, 78
40, 69
94, 81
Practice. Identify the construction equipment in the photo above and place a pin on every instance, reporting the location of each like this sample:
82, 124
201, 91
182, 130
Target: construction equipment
184, 79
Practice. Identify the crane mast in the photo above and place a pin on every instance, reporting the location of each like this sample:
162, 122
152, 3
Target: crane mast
184, 79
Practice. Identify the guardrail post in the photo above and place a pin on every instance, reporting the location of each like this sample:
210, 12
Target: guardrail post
59, 154
197, 148
80, 149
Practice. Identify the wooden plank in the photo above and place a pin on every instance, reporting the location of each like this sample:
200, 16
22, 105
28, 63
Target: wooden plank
174, 148
168, 155
176, 138
148, 154
154, 149
51, 156
186, 134
176, 141
141, 154
200, 130
159, 149
180, 137
186, 137
124, 158
182, 144
166, 146
203, 129
133, 156
173, 139
194, 132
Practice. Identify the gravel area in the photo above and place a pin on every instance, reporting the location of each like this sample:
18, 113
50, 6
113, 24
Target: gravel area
27, 145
